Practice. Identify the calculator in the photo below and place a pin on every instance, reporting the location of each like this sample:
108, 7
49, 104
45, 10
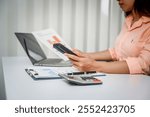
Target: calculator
81, 80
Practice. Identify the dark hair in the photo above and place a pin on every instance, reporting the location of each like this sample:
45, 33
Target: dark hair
142, 7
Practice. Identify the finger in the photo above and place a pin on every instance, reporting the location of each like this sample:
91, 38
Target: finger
78, 52
75, 63
68, 57
73, 57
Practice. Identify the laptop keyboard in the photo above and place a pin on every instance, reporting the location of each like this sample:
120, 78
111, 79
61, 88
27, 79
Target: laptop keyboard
51, 61
54, 63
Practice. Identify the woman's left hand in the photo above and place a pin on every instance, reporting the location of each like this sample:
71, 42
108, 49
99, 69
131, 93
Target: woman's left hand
81, 61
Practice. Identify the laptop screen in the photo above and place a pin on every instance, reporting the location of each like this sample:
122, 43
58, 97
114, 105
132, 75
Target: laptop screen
31, 47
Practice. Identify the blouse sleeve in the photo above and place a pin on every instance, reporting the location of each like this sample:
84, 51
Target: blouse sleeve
113, 53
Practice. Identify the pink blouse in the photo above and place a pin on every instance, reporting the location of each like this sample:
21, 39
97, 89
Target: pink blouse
133, 45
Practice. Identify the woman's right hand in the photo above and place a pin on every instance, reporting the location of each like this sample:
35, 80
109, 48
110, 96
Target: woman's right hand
82, 61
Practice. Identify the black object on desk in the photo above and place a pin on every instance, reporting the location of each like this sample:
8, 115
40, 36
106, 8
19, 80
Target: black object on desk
81, 73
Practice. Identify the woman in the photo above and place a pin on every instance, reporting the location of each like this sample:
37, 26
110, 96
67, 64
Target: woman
131, 53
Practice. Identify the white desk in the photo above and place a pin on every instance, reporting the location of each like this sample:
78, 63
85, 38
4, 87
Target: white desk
19, 85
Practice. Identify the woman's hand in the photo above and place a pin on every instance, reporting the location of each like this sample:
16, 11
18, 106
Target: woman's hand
82, 61
80, 53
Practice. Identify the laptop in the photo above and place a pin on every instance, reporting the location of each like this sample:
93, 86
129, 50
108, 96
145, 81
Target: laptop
36, 54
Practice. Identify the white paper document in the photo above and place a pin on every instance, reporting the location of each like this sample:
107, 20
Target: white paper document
41, 73
48, 72
48, 38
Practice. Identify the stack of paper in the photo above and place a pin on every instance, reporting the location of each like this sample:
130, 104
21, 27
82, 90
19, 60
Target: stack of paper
48, 38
